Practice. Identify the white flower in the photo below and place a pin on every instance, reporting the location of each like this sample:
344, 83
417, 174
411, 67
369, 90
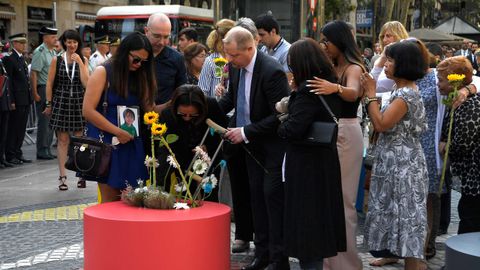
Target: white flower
180, 188
202, 154
199, 166
172, 161
179, 205
151, 162
210, 179
138, 190
145, 189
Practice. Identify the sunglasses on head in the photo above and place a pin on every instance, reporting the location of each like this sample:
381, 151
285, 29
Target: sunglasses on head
136, 59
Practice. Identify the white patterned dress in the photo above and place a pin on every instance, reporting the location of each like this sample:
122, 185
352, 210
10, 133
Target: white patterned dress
396, 221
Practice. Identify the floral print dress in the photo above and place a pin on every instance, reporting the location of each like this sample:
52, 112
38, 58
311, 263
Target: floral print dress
396, 221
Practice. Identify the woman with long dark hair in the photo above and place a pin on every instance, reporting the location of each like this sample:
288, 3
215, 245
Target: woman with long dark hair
67, 78
314, 217
129, 80
340, 46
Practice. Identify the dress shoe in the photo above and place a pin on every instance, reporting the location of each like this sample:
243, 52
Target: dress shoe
52, 155
44, 157
281, 265
240, 246
256, 264
7, 164
15, 161
24, 160
2, 166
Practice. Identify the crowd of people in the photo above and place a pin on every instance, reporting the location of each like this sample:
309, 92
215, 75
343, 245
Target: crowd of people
291, 197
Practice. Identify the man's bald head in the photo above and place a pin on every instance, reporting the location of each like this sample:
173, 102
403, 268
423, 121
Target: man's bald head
239, 36
158, 18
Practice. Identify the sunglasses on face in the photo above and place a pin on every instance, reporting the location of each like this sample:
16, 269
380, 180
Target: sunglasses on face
136, 59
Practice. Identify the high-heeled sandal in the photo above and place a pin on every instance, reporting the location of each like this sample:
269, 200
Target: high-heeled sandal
81, 183
62, 185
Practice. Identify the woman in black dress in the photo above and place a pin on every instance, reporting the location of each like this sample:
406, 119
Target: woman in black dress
186, 118
314, 216
67, 79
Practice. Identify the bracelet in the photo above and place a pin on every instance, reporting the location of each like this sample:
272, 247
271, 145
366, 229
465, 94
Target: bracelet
48, 104
469, 89
369, 100
339, 89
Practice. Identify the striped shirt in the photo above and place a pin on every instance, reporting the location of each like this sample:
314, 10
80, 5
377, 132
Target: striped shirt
207, 80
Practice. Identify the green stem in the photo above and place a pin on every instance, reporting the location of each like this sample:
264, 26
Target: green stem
447, 150
154, 180
178, 166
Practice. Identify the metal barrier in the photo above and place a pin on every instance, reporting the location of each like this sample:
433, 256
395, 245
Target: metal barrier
31, 125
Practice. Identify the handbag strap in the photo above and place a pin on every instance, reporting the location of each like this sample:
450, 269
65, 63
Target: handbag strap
104, 106
328, 108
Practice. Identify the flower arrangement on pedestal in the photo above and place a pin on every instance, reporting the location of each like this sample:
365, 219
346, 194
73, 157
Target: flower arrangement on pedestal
455, 80
151, 195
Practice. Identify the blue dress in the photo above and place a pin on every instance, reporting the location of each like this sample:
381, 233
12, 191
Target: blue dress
127, 165
428, 91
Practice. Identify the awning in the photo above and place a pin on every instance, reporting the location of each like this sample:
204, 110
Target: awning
85, 16
7, 12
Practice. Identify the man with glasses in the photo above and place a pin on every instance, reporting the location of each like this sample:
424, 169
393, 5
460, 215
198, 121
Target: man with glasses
170, 71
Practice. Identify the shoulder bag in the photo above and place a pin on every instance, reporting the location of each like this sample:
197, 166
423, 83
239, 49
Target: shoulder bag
323, 133
90, 157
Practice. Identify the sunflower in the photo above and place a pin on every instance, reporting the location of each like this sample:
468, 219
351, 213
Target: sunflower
158, 129
150, 118
455, 77
220, 61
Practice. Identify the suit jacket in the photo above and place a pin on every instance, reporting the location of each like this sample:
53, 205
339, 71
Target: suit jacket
5, 98
19, 83
269, 85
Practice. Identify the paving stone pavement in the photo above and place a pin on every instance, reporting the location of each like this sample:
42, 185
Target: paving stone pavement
49, 235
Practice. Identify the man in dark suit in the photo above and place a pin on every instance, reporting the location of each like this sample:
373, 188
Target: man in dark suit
257, 83
19, 85
5, 108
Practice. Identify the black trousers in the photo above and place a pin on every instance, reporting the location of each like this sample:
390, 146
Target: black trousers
267, 197
4, 115
17, 124
469, 213
242, 208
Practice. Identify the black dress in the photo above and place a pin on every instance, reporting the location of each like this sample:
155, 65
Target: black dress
314, 215
189, 136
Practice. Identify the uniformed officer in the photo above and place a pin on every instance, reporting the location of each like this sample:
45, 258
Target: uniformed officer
5, 108
21, 95
42, 57
114, 46
101, 54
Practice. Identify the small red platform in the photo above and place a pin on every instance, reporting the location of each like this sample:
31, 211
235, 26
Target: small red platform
118, 236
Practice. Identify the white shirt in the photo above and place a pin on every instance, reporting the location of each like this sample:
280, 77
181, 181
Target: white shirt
248, 86
97, 59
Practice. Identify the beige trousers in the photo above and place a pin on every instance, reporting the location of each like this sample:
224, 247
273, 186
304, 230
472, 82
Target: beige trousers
350, 153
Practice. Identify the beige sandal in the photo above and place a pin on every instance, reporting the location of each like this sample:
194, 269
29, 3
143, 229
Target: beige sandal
382, 261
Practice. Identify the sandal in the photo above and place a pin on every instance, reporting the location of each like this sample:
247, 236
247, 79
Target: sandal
382, 261
62, 185
81, 183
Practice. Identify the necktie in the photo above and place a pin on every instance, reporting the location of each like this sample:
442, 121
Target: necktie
241, 100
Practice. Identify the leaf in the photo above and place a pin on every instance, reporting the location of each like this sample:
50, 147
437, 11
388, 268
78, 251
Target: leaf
171, 138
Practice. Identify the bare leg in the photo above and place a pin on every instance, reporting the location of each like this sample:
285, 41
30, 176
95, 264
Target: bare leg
414, 264
109, 194
62, 147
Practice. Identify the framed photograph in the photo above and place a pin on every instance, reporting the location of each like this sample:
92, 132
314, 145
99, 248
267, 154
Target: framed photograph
128, 119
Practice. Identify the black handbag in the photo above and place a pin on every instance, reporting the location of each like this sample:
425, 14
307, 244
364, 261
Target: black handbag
323, 133
90, 157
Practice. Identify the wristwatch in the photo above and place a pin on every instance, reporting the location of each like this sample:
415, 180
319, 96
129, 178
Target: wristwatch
48, 104
368, 100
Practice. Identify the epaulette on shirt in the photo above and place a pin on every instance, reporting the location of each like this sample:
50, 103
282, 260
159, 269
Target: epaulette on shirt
95, 55
40, 49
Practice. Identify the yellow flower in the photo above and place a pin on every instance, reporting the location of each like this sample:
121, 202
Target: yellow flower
220, 61
158, 129
150, 118
455, 77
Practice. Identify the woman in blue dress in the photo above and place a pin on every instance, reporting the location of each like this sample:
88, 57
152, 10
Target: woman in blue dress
129, 81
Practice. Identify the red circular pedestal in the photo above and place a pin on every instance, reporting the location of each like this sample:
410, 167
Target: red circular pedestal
118, 236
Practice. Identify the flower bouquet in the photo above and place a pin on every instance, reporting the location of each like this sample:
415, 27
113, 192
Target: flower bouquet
455, 80
151, 195
220, 64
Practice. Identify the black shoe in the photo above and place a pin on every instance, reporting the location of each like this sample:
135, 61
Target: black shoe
44, 157
7, 164
2, 166
15, 161
24, 160
256, 264
52, 155
240, 246
281, 265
